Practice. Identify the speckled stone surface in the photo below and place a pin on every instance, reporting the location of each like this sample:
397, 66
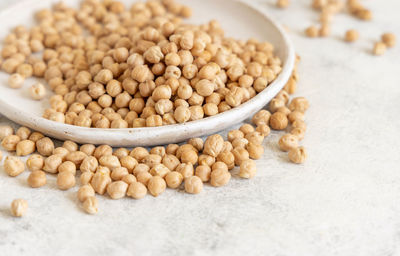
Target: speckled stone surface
345, 200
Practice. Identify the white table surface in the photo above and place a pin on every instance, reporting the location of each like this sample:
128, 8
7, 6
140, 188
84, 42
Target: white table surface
345, 200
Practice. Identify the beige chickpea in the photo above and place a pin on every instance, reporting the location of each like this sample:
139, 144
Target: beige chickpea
5, 130
379, 48
275, 104
86, 178
16, 81
52, 163
287, 142
389, 39
296, 115
100, 181
129, 178
136, 190
139, 153
182, 114
70, 146
65, 180
246, 128
219, 177
103, 76
102, 150
186, 169
19, 207
88, 149
255, 150
227, 158
37, 179
300, 104
156, 185
173, 179
23, 133
203, 172
90, 205
197, 143
278, 121
67, 166
45, 146
312, 31
297, 155
263, 129
35, 162
25, 147
109, 161
299, 133
239, 143
248, 169
213, 145
171, 149
76, 157
240, 154
85, 191
118, 173
37, 91
234, 134
254, 137
205, 87
117, 189
35, 136
261, 117
351, 35
10, 142
62, 152
193, 185
143, 177
13, 166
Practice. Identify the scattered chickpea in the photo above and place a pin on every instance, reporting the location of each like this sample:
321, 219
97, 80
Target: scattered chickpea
45, 146
288, 142
35, 162
37, 91
19, 207
312, 31
351, 35
25, 147
65, 180
90, 205
379, 48
297, 155
193, 185
156, 185
174, 179
248, 169
10, 142
13, 166
136, 190
117, 189
84, 192
5, 130
278, 121
37, 179
219, 177
389, 39
16, 81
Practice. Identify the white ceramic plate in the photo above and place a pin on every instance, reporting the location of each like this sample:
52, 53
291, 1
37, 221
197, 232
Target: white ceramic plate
239, 20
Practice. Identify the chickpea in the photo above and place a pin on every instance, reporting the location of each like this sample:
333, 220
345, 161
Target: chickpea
193, 185
35, 136
203, 172
35, 162
246, 128
76, 157
278, 121
13, 166
261, 117
240, 154
118, 173
37, 91
16, 81
389, 39
312, 31
67, 166
5, 130
300, 104
10, 142
219, 177
100, 181
297, 155
213, 145
186, 169
182, 114
379, 48
52, 163
117, 189
45, 146
248, 169
19, 207
351, 35
109, 161
255, 150
85, 191
88, 149
62, 152
156, 185
70, 146
136, 190
287, 142
37, 179
263, 129
86, 178
104, 76
275, 104
90, 205
102, 150
25, 147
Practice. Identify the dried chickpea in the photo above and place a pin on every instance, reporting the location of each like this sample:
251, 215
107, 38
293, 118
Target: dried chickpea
19, 207
117, 189
282, 3
86, 178
37, 179
23, 133
136, 190
255, 150
203, 172
240, 154
248, 169
25, 147
351, 35
63, 152
278, 121
297, 155
312, 31
37, 91
52, 163
100, 181
156, 185
300, 104
129, 178
67, 166
261, 117
219, 177
193, 185
45, 146
102, 150
5, 130
379, 48
35, 136
35, 162
109, 161
90, 205
246, 128
10, 142
13, 166
389, 39
85, 191
16, 81
70, 146
173, 179
213, 145
263, 129
186, 169
287, 142
88, 149
299, 133
182, 114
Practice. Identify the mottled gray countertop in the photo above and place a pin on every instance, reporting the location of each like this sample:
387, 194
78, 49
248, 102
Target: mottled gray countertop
345, 200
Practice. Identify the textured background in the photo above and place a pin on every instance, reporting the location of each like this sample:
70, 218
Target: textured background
345, 200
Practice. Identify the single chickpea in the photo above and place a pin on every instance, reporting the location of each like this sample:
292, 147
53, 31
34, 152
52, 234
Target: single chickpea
254, 137
219, 177
174, 179
35, 162
70, 146
193, 185
182, 114
45, 146
248, 169
85, 191
13, 166
25, 147
25, 70
299, 133
89, 164
241, 154
351, 35
129, 178
213, 145
67, 166
100, 181
62, 152
10, 142
255, 150
16, 81
19, 207
104, 76
278, 121
86, 178
263, 129
239, 143
88, 149
143, 177
5, 130
118, 173
52, 163
227, 158
37, 179
275, 104
156, 185
117, 189
136, 190
109, 161
379, 48
35, 136
312, 31
246, 128
90, 205
389, 39
102, 150
186, 169
300, 104
287, 142
297, 155
203, 172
